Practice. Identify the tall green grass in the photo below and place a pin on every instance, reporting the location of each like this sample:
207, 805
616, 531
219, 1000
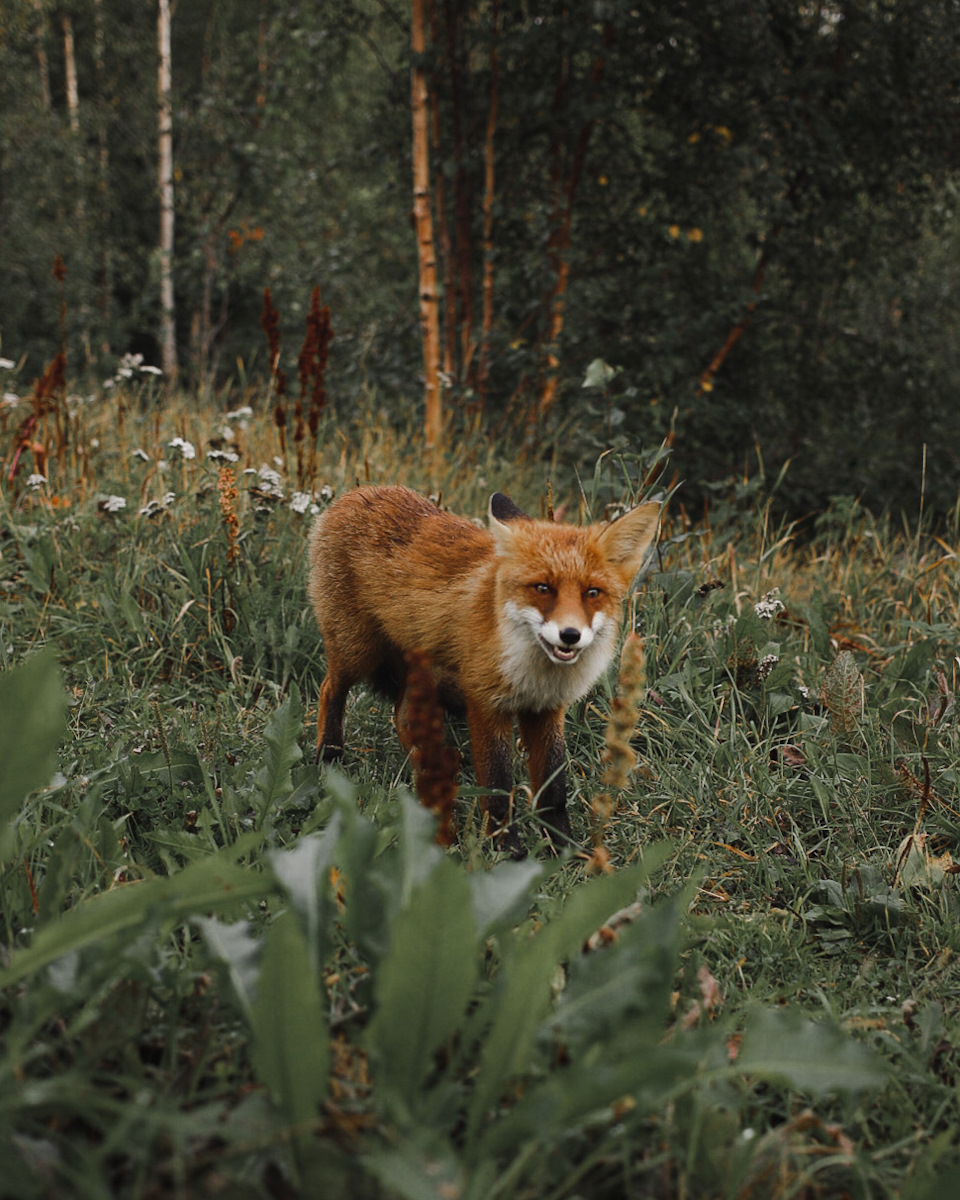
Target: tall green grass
225, 972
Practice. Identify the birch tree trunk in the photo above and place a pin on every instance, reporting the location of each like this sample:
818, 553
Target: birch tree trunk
70, 70
168, 326
423, 220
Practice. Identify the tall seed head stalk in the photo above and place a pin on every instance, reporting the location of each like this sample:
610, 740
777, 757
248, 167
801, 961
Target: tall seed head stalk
618, 757
311, 369
227, 487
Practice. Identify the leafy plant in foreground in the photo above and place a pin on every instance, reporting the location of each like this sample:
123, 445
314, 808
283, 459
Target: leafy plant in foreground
503, 1051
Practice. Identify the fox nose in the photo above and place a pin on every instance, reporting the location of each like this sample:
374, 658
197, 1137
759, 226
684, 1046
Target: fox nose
569, 636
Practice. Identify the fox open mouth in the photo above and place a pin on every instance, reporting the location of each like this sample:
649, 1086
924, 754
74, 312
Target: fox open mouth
564, 654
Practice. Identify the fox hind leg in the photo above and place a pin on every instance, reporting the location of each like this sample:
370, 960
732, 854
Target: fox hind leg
330, 709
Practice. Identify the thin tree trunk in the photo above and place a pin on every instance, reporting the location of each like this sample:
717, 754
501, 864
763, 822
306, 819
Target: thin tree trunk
445, 242
489, 193
423, 219
73, 116
168, 325
105, 268
464, 274
560, 239
43, 65
70, 70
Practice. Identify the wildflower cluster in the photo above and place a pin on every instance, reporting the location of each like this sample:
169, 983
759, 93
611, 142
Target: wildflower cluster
186, 449
153, 507
769, 605
130, 366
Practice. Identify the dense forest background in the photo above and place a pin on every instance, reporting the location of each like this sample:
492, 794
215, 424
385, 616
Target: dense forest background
735, 220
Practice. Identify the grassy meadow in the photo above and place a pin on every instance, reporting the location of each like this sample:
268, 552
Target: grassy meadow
226, 972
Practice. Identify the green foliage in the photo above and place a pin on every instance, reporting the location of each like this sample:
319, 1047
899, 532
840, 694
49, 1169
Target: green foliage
481, 1068
32, 709
223, 968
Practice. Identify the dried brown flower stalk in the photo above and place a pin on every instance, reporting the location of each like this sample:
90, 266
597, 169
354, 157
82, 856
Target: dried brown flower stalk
227, 487
311, 370
435, 763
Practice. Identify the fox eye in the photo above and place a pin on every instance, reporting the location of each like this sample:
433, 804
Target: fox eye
592, 593
544, 589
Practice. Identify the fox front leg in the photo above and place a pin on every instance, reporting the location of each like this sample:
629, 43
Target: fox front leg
542, 735
491, 742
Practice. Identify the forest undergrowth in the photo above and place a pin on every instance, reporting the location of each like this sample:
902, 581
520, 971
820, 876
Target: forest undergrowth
225, 971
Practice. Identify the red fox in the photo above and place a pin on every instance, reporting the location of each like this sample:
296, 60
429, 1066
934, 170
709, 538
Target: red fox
518, 622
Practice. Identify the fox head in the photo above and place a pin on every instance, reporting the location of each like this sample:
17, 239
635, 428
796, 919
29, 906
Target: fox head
560, 588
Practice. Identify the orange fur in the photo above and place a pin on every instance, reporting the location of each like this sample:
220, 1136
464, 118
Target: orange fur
518, 621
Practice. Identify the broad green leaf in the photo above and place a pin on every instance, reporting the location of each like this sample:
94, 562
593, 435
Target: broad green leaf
412, 1172
628, 981
32, 710
291, 1051
425, 981
812, 1056
498, 893
237, 947
302, 872
419, 853
523, 994
211, 884
648, 1073
273, 781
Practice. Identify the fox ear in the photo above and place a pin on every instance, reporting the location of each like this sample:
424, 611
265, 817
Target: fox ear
502, 512
627, 540
502, 508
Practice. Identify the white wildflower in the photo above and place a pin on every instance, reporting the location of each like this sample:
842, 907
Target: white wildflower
302, 501
769, 606
223, 455
36, 480
187, 449
238, 414
6, 364
270, 483
326, 492
766, 665
141, 454
157, 506
130, 365
11, 398
112, 504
